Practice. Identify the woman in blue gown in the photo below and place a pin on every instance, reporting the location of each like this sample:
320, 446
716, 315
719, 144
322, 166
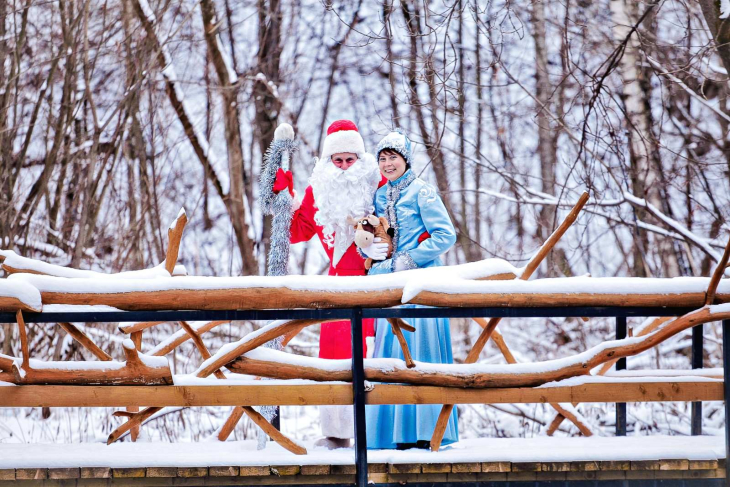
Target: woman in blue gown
423, 232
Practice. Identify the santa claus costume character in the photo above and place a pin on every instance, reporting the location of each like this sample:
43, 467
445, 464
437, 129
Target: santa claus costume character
423, 232
342, 185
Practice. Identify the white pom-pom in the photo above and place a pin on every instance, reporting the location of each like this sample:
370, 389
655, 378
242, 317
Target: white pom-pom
284, 132
296, 203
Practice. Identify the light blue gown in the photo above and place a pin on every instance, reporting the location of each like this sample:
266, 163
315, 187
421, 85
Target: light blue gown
412, 207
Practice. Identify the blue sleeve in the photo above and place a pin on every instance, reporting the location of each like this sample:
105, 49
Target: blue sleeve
438, 224
381, 267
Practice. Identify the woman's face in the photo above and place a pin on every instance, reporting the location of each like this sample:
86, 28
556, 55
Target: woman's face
392, 165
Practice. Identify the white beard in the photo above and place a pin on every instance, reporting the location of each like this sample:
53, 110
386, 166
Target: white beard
339, 194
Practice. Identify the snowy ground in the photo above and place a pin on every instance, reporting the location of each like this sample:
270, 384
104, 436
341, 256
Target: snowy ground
243, 453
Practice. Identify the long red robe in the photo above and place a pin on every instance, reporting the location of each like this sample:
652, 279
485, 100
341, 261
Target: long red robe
335, 341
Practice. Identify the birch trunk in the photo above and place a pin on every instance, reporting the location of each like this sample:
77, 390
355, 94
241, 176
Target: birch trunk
645, 179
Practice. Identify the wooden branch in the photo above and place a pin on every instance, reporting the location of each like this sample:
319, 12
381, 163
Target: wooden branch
274, 433
134, 421
284, 298
648, 329
7, 362
174, 236
395, 328
228, 299
137, 370
230, 423
136, 338
9, 369
717, 275
404, 325
200, 346
281, 370
554, 237
566, 413
249, 292
177, 339
251, 341
607, 366
280, 365
483, 338
291, 334
142, 325
23, 338
10, 304
499, 341
85, 341
531, 298
555, 424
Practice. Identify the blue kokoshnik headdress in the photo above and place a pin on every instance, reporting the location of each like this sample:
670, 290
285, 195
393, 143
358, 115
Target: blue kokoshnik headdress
397, 142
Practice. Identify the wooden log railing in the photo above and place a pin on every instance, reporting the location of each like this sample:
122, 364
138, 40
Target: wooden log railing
483, 387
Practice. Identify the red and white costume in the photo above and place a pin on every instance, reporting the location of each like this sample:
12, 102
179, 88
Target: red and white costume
340, 193
335, 341
334, 195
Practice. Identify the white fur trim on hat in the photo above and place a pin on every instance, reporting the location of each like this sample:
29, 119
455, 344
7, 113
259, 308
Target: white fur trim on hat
343, 141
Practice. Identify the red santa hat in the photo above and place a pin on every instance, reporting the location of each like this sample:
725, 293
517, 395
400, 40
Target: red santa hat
342, 136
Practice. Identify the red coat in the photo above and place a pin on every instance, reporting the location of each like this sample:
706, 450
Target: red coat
335, 340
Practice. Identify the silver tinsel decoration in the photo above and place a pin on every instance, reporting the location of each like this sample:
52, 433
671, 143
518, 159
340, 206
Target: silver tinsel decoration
279, 207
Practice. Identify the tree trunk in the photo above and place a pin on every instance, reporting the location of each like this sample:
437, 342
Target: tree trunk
546, 142
227, 78
268, 106
645, 180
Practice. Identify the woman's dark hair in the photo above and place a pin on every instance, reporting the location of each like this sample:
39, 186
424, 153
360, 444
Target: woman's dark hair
389, 152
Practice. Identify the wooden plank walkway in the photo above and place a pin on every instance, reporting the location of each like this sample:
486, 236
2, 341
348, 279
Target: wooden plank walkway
378, 473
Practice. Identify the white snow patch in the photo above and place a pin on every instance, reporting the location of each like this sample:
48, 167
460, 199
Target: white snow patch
23, 292
724, 9
102, 283
23, 263
572, 285
244, 453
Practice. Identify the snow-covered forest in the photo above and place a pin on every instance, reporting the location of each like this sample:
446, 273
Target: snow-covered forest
114, 114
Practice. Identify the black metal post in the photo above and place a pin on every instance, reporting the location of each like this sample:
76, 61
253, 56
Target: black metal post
697, 355
358, 394
621, 330
726, 372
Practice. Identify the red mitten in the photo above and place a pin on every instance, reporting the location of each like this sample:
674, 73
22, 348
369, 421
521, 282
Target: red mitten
423, 236
284, 180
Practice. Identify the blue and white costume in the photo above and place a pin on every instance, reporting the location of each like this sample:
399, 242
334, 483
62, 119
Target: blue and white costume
412, 207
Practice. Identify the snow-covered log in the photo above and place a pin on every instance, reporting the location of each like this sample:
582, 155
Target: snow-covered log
19, 296
446, 286
13, 263
231, 351
138, 369
255, 292
280, 365
687, 292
